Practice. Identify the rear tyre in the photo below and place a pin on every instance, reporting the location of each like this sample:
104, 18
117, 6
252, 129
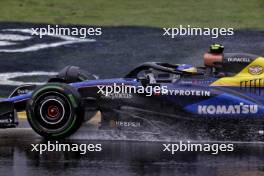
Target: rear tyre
55, 111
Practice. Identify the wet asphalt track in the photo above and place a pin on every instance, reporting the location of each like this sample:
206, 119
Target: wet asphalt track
112, 55
120, 157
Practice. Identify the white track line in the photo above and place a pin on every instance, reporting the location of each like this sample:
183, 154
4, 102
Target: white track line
6, 78
38, 46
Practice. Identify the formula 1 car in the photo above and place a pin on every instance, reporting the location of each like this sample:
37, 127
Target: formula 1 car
228, 89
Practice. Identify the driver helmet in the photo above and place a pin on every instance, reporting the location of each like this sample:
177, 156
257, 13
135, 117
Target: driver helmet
187, 68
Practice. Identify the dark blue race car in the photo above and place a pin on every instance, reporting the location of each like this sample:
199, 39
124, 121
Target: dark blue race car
227, 90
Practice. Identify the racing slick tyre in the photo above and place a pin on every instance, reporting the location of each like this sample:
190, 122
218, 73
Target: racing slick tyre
55, 111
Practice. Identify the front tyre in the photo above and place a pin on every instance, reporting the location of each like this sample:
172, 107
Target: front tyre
55, 111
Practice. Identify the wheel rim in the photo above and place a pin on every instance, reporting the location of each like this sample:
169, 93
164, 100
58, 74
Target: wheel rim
52, 111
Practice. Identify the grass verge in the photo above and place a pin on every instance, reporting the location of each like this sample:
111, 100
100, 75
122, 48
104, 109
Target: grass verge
156, 13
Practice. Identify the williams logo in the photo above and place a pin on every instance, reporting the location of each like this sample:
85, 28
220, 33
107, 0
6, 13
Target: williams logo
228, 109
255, 70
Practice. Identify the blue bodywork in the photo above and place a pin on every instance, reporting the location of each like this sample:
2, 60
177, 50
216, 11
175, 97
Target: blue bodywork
77, 85
221, 102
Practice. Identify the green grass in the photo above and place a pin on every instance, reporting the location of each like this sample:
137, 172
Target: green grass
159, 13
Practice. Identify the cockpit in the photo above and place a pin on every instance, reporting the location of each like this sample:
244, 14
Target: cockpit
216, 64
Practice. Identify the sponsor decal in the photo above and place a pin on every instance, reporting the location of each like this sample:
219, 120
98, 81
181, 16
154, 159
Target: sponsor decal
197, 82
204, 82
240, 108
118, 96
238, 59
124, 124
188, 92
255, 70
22, 91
